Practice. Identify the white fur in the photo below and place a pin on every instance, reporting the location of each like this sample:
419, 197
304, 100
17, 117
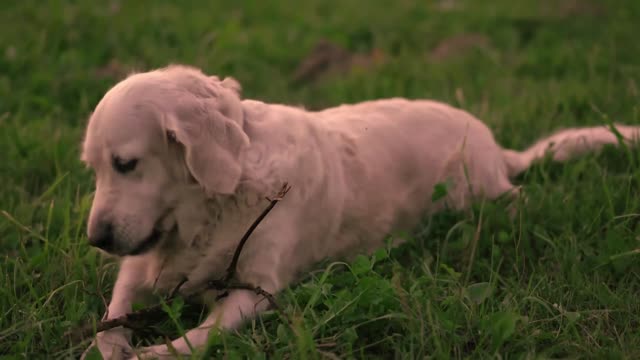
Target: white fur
358, 173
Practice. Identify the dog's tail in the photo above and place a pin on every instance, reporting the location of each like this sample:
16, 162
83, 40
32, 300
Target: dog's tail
569, 143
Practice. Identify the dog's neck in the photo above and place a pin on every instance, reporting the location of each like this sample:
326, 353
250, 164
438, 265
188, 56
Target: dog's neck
196, 213
197, 233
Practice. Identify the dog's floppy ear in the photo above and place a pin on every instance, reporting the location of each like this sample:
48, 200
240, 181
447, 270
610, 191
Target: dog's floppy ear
213, 145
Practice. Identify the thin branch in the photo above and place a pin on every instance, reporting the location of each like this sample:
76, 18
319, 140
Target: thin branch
137, 320
221, 286
231, 270
175, 290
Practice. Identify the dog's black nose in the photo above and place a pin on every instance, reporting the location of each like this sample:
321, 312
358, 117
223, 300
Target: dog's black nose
102, 237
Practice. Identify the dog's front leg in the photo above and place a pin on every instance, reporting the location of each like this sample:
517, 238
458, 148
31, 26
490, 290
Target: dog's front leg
229, 314
115, 343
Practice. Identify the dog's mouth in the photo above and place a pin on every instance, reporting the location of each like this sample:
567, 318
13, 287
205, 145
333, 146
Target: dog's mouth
157, 234
150, 242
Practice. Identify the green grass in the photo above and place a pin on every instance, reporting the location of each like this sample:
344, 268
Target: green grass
560, 280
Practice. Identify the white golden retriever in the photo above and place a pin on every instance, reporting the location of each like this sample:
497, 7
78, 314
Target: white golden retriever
183, 166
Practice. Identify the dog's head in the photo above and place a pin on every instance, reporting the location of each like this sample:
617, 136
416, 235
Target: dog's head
153, 139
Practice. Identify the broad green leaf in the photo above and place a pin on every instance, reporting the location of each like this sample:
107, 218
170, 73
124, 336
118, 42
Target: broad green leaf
479, 292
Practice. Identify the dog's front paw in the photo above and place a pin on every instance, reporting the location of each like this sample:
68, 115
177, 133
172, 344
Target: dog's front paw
112, 344
160, 352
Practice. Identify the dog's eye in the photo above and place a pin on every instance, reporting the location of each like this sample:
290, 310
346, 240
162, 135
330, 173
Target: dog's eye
123, 166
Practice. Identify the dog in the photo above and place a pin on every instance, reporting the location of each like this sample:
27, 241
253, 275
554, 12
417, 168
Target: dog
183, 165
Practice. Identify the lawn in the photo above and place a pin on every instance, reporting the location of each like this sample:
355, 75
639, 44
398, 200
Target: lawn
561, 279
